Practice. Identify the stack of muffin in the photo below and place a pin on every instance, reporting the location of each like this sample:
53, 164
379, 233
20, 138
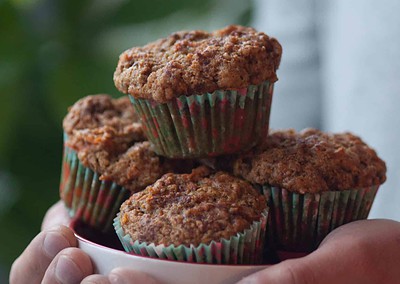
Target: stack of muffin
204, 98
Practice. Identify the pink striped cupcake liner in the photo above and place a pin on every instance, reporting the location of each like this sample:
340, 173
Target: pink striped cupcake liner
299, 222
243, 248
94, 201
207, 125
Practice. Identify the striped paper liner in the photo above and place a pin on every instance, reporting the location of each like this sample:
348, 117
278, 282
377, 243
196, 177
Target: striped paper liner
209, 124
94, 201
243, 248
299, 222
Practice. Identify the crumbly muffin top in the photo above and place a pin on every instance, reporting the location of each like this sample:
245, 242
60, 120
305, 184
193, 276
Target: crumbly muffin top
100, 122
191, 209
311, 161
193, 62
96, 111
108, 139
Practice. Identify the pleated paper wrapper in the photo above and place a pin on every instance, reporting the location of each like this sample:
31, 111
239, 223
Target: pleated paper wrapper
243, 248
94, 201
207, 125
299, 222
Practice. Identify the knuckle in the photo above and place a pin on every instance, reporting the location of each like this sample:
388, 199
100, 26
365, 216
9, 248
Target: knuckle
300, 273
31, 265
26, 270
72, 252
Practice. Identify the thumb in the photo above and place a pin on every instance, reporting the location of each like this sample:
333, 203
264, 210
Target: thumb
359, 252
127, 276
56, 215
289, 271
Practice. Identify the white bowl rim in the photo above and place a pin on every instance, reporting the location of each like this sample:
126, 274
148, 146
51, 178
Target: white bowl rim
133, 256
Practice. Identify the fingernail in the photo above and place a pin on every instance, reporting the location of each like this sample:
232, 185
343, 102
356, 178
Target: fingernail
54, 242
127, 276
95, 278
116, 279
247, 280
67, 272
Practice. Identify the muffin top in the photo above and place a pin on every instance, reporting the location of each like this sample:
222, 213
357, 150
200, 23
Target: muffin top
193, 62
190, 209
99, 120
311, 161
109, 139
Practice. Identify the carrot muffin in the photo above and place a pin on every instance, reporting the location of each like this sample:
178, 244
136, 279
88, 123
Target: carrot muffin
106, 158
197, 217
314, 182
202, 94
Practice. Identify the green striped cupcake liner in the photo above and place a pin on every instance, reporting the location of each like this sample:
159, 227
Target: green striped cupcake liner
94, 201
243, 248
299, 222
207, 125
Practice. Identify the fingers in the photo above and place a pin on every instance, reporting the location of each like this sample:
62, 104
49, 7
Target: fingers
56, 215
332, 263
96, 279
127, 276
360, 252
371, 248
70, 266
121, 276
296, 271
31, 265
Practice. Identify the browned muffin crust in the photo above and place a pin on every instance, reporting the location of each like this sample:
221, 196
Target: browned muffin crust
100, 122
96, 111
134, 169
108, 139
193, 62
311, 161
191, 209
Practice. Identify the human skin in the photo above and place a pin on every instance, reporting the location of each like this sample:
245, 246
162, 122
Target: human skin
53, 257
360, 252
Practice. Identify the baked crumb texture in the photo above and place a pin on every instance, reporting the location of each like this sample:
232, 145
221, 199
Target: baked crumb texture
314, 182
196, 213
196, 62
98, 129
202, 94
106, 158
312, 161
108, 138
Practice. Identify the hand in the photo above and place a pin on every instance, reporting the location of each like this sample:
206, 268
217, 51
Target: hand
360, 252
52, 256
120, 276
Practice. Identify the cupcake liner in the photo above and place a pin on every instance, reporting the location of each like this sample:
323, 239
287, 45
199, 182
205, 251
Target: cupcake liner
243, 248
209, 124
299, 222
94, 201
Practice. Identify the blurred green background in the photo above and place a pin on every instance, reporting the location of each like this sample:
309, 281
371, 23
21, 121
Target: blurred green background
51, 54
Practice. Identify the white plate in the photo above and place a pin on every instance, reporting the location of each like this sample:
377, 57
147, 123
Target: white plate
105, 259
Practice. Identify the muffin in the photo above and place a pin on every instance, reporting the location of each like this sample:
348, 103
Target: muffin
106, 158
199, 217
202, 94
314, 182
